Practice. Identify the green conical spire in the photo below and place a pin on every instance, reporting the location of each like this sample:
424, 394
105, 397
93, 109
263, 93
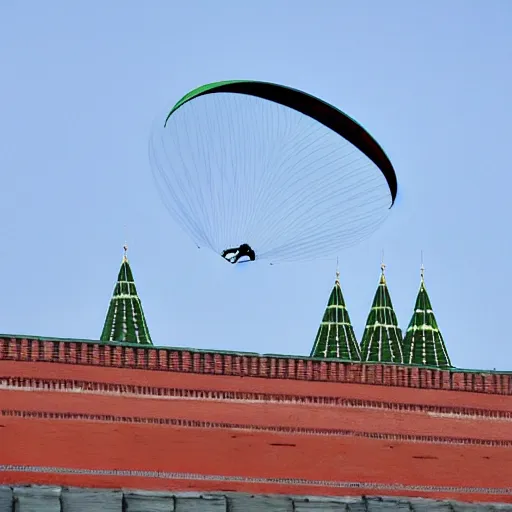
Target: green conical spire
382, 338
335, 337
423, 343
125, 319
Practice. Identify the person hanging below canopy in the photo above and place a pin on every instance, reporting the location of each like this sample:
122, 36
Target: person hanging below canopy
234, 254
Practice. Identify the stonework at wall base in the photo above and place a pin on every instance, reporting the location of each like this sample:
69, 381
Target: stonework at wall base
57, 499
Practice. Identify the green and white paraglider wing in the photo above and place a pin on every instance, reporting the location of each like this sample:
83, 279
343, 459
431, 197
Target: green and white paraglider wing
263, 171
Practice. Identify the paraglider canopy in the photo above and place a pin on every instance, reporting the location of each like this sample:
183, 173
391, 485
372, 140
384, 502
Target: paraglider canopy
263, 170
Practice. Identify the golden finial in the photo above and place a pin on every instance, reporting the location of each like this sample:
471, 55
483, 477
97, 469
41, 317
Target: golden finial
125, 246
382, 269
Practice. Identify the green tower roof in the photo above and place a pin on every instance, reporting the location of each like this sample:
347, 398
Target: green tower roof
125, 318
335, 337
423, 343
382, 338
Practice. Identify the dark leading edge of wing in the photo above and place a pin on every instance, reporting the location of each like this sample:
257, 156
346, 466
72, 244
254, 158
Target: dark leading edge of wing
310, 106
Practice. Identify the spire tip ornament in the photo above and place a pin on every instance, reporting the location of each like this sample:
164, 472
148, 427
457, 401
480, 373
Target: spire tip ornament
382, 264
382, 270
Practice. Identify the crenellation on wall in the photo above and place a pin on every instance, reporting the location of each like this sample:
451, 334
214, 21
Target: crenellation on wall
489, 384
251, 365
244, 366
12, 350
218, 364
378, 375
186, 365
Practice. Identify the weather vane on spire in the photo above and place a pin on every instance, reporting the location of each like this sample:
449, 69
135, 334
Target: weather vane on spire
382, 264
422, 268
125, 249
337, 271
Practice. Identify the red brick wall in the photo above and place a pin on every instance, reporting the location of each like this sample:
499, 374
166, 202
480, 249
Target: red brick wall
95, 407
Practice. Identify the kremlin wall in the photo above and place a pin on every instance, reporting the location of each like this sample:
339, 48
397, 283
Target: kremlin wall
120, 424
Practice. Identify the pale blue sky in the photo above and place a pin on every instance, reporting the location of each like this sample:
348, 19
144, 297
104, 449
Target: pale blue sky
82, 81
